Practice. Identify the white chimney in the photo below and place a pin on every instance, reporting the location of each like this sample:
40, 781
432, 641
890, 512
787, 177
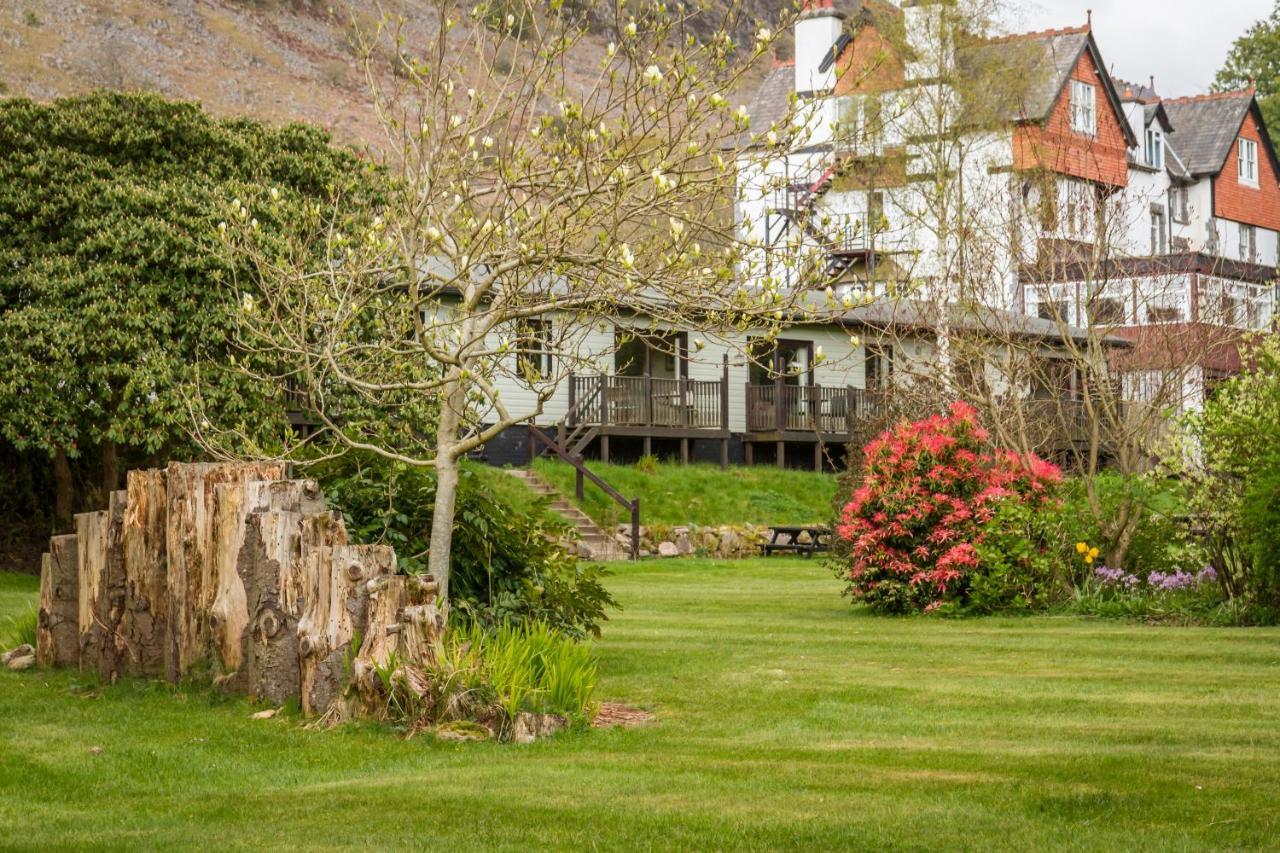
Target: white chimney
817, 29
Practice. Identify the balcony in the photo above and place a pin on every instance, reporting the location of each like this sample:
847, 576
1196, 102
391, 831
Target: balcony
805, 412
649, 405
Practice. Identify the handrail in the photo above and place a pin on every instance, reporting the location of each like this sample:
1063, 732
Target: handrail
583, 471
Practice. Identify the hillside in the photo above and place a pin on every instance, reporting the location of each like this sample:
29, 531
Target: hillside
273, 59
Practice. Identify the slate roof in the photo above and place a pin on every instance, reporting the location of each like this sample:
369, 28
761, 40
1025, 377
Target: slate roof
773, 99
909, 313
1205, 128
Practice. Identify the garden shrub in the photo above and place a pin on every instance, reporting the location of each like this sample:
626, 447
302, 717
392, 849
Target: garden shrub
1159, 538
1018, 565
916, 524
1231, 469
507, 564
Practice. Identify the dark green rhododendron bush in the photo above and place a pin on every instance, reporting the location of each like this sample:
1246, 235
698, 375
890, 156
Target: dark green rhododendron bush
116, 296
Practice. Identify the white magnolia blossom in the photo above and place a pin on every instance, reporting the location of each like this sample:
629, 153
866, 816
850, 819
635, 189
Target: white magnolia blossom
653, 75
626, 257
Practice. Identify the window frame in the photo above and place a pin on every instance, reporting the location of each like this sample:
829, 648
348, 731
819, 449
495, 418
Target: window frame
1159, 231
1247, 176
533, 345
1248, 243
1155, 144
1083, 108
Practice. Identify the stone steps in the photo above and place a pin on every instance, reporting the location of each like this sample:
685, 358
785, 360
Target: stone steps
595, 544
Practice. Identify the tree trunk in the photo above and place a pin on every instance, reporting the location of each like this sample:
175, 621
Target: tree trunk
100, 558
62, 490
58, 629
237, 551
189, 542
336, 612
110, 466
146, 617
440, 548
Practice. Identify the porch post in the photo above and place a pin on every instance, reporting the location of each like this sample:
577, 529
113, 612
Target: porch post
817, 456
573, 401
724, 454
648, 445
648, 400
782, 454
749, 452
724, 395
778, 409
604, 448
684, 451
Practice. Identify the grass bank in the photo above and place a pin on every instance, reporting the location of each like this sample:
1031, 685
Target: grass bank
784, 720
671, 493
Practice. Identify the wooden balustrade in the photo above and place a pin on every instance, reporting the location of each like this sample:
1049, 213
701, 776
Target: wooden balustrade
780, 407
649, 401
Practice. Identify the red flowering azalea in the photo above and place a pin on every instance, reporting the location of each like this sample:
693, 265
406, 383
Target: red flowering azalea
929, 487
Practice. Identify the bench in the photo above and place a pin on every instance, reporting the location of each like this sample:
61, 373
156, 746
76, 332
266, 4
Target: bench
786, 538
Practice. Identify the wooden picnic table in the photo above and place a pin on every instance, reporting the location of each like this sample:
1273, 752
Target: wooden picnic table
786, 537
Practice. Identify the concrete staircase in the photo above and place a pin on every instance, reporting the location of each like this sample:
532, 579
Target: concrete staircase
596, 544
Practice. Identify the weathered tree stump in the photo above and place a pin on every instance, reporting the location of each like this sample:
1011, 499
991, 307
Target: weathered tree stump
189, 544
260, 529
100, 558
58, 622
336, 579
236, 564
146, 616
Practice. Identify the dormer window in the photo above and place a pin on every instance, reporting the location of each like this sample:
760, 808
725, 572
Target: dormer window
1084, 108
1247, 161
1155, 149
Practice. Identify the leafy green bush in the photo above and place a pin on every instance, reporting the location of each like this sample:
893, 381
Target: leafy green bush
1158, 537
1019, 564
1232, 471
507, 566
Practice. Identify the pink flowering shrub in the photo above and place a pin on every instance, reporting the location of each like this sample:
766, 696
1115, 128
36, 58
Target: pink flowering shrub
917, 524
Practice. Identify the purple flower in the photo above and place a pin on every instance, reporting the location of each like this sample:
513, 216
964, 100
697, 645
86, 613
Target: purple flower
1171, 580
1108, 576
1207, 575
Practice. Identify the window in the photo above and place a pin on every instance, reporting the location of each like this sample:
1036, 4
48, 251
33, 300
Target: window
879, 367
533, 349
861, 123
1107, 311
1159, 234
1055, 310
1248, 243
1084, 108
1247, 162
1155, 149
1164, 302
1179, 209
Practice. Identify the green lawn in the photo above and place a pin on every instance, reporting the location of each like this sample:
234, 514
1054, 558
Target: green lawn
703, 494
785, 719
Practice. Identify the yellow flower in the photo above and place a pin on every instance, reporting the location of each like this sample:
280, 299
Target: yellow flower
1093, 554
1088, 558
1081, 548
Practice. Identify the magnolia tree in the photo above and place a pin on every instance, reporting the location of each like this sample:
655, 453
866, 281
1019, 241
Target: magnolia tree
531, 203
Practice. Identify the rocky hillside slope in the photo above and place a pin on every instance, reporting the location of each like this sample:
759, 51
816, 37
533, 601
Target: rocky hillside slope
278, 60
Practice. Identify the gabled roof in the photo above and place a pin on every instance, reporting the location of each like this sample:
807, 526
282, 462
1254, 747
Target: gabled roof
1206, 126
1049, 57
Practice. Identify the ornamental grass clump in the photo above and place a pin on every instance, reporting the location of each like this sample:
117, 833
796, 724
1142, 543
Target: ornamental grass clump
927, 520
